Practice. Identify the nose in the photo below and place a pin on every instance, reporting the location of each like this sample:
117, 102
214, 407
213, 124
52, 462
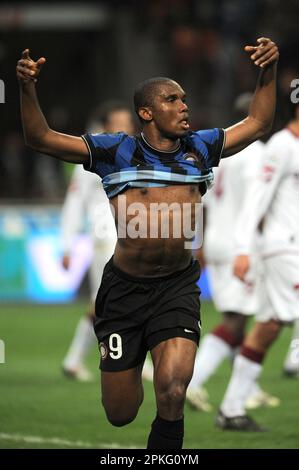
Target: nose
183, 107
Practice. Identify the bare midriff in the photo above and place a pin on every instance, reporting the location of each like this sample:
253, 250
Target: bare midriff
140, 213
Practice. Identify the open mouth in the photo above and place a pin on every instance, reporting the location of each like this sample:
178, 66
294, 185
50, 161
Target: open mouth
185, 124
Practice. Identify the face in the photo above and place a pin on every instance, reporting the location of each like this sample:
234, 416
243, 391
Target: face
120, 121
170, 111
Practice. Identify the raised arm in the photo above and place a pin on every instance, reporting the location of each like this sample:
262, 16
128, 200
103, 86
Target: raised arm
37, 133
261, 113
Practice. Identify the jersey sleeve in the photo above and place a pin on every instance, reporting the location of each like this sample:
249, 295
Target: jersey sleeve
102, 150
213, 141
260, 194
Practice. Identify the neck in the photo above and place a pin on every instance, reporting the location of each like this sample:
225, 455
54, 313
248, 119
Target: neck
160, 142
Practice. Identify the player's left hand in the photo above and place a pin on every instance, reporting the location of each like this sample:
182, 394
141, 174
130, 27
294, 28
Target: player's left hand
28, 69
264, 54
241, 266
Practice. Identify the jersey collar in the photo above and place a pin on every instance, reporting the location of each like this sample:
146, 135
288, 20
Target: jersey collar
161, 153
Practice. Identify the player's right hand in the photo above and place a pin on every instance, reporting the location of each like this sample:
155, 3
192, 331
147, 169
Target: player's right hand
241, 266
265, 53
27, 69
66, 261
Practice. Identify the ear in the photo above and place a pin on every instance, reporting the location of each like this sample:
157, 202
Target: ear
145, 114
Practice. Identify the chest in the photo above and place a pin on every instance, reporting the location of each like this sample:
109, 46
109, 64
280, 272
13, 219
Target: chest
180, 194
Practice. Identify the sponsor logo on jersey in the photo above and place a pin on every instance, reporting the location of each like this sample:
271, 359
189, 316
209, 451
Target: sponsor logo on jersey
190, 157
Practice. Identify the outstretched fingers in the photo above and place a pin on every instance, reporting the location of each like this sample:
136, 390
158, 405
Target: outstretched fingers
25, 54
265, 53
28, 69
40, 62
250, 48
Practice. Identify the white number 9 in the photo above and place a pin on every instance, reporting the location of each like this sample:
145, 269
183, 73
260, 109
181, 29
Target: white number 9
115, 345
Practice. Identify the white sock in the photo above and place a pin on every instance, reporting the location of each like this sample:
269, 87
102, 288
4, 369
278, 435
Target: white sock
233, 354
213, 350
254, 391
245, 373
84, 337
291, 362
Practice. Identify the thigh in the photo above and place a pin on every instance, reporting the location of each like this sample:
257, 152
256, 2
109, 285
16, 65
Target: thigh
122, 390
173, 359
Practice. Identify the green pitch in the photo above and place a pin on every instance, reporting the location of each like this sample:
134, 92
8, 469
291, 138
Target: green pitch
39, 408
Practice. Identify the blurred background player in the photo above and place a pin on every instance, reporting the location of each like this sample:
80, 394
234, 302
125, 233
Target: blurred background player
273, 198
236, 300
86, 198
291, 367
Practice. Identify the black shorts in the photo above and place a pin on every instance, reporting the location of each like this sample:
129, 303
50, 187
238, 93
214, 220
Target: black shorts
133, 315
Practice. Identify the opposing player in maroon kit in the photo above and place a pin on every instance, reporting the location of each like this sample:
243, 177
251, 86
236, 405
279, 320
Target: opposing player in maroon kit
272, 198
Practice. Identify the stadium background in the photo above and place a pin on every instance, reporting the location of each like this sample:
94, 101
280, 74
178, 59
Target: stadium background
96, 51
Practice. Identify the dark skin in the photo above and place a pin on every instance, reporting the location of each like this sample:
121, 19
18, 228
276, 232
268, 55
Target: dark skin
118, 120
165, 121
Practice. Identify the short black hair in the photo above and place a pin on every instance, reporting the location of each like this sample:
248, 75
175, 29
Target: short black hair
145, 92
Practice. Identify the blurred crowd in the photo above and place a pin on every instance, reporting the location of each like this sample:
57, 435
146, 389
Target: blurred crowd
199, 43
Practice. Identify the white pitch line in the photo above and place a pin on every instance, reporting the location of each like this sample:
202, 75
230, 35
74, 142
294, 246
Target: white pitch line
61, 442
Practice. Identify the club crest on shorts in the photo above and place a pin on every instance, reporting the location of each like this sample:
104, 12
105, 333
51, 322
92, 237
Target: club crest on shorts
103, 350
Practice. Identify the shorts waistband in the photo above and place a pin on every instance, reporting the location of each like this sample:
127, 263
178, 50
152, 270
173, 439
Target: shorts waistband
128, 277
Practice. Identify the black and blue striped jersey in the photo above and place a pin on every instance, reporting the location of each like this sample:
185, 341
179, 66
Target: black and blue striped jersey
124, 161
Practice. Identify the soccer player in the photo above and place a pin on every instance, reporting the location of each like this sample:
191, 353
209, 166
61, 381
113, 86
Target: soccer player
236, 300
148, 298
291, 365
273, 198
86, 196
